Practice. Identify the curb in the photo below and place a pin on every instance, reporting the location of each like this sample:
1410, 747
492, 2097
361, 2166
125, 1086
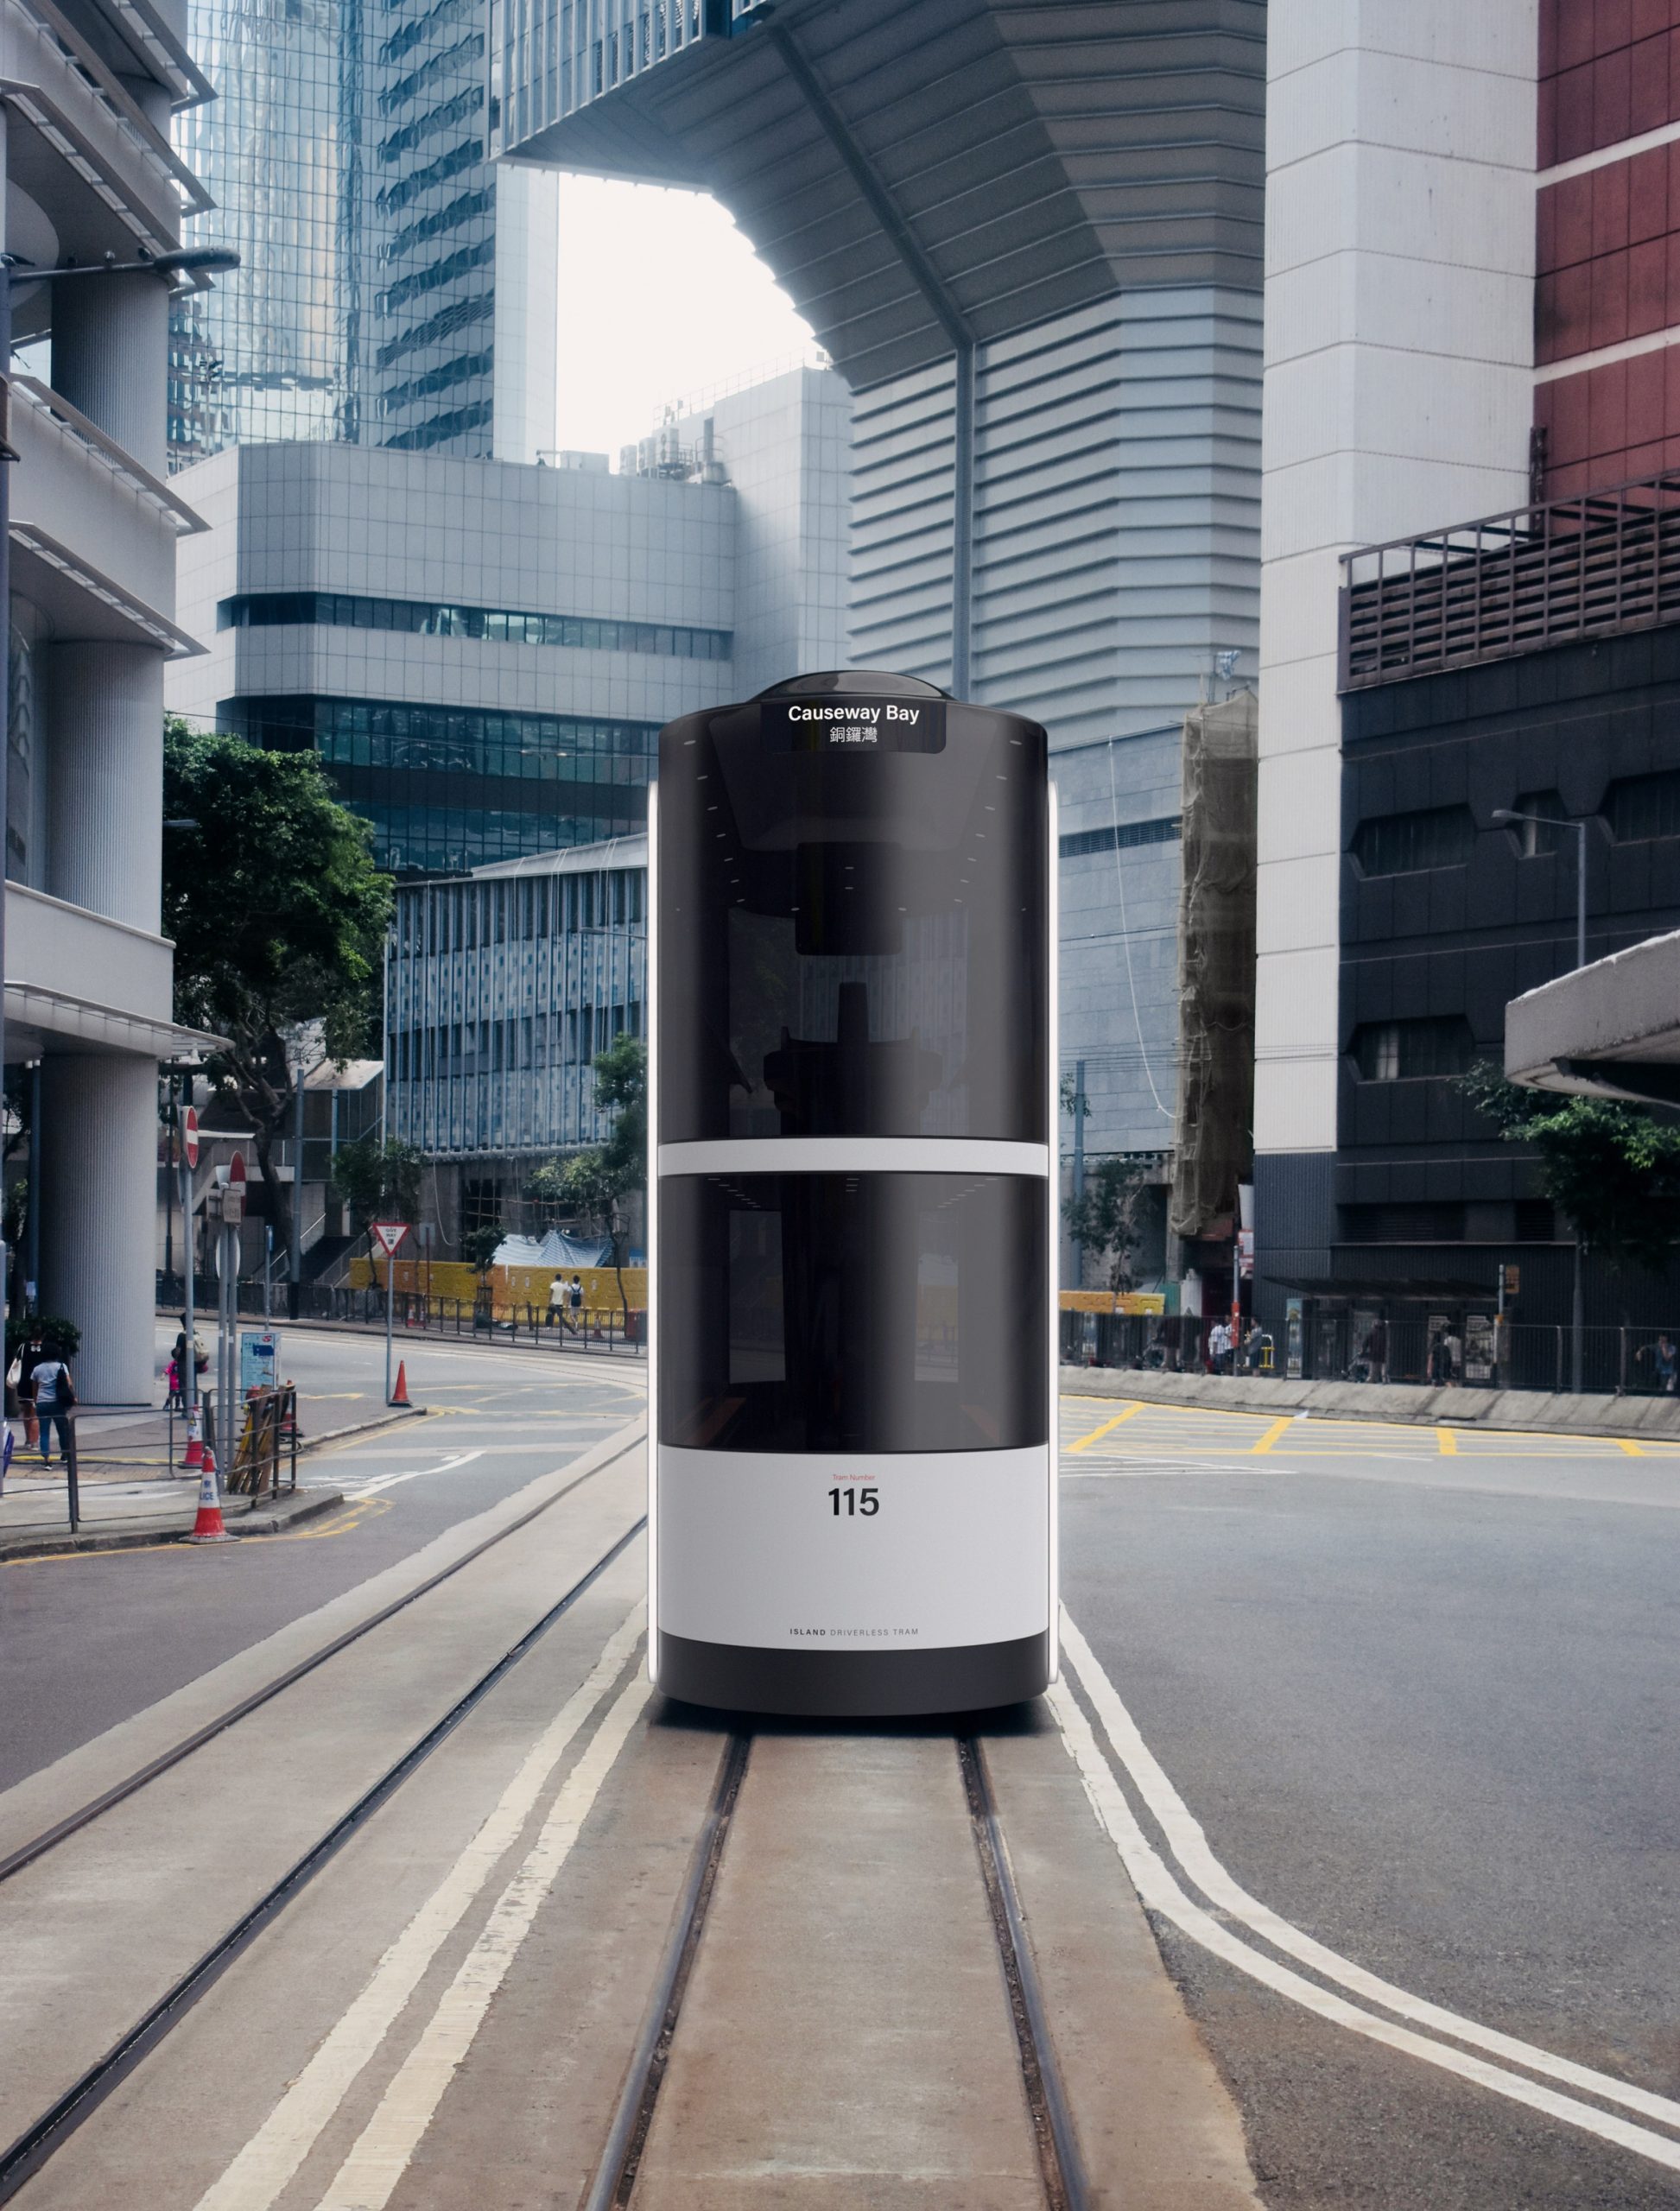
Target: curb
1389, 1404
134, 1538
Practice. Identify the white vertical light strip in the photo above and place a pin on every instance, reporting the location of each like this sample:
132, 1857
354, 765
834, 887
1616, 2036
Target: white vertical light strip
650, 1016
1053, 1056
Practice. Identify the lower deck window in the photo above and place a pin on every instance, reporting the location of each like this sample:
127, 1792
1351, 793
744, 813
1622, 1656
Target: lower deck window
853, 1312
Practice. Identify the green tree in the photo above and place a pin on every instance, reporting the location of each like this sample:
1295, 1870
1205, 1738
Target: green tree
278, 916
1108, 1217
379, 1181
480, 1246
1610, 1168
596, 1186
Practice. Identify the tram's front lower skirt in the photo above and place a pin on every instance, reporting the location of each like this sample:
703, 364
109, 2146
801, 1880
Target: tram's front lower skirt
853, 1684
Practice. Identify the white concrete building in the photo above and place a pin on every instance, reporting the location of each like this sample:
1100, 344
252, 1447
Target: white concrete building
483, 653
85, 110
1399, 391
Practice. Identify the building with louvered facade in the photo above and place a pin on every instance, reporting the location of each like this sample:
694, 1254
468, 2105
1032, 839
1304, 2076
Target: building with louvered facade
1030, 239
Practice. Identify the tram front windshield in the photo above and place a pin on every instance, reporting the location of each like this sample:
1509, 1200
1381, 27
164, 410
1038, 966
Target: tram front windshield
854, 943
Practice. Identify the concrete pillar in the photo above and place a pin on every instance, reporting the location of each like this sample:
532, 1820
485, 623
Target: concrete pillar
98, 1181
110, 358
105, 782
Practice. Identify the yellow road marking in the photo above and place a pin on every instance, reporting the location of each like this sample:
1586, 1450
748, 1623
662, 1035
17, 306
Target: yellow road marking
1130, 1413
1447, 1439
1265, 1442
1632, 1449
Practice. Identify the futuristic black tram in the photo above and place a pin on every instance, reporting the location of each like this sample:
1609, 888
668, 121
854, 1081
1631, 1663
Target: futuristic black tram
852, 1220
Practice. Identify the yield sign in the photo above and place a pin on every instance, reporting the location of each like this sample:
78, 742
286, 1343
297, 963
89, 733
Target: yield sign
388, 1234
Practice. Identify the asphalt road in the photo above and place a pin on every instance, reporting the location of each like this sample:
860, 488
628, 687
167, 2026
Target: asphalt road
91, 1639
1422, 1692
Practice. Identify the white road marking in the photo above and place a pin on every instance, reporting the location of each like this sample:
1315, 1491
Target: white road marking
368, 2175
1158, 1888
263, 2168
375, 1483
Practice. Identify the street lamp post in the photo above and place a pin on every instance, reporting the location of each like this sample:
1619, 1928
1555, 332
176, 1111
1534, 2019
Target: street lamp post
1504, 816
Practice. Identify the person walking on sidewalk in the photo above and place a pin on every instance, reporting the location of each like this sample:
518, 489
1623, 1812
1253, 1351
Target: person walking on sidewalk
55, 1400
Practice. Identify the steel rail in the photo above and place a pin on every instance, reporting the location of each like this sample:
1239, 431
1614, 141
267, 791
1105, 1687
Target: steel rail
1061, 2166
27, 1854
31, 2149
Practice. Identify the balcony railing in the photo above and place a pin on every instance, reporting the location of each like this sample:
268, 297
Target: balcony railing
1513, 583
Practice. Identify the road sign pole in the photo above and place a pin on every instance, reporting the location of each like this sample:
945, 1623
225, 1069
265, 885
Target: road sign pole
389, 1236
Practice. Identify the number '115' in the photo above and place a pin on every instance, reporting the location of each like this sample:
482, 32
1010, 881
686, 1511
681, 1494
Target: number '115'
857, 1502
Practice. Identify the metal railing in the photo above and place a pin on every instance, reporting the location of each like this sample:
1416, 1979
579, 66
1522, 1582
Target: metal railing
1621, 1361
603, 1328
1511, 583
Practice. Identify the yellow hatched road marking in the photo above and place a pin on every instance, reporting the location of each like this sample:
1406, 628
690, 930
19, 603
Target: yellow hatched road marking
1130, 1413
1447, 1439
1633, 1450
1278, 1429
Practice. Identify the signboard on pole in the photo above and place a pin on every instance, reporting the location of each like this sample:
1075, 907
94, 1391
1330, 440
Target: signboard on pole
189, 1134
388, 1234
259, 1359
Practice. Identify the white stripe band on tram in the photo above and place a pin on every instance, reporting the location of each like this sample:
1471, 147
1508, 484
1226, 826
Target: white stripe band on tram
855, 1155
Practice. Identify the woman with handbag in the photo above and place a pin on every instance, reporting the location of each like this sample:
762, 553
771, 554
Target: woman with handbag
55, 1400
27, 1360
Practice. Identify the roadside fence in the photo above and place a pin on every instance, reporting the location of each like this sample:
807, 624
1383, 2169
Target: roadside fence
1474, 1350
605, 1328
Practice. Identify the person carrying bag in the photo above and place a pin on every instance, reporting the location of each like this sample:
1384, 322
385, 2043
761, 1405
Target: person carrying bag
55, 1400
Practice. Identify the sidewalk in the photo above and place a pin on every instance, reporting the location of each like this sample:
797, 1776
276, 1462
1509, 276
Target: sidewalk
130, 1495
122, 1514
1541, 1410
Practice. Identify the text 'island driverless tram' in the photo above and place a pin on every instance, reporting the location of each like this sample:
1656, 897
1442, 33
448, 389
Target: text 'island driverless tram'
852, 1215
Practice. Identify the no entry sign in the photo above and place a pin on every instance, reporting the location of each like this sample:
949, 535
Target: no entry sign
189, 1134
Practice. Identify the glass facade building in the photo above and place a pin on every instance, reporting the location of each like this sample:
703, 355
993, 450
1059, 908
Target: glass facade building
448, 788
503, 987
345, 156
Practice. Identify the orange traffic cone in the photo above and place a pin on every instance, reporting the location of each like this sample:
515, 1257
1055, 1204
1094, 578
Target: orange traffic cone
194, 1458
399, 1396
207, 1528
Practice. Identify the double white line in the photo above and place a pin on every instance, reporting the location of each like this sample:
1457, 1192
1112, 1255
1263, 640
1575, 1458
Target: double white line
365, 2180
1158, 1886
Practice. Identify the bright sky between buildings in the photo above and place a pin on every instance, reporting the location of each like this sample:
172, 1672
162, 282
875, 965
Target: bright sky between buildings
660, 298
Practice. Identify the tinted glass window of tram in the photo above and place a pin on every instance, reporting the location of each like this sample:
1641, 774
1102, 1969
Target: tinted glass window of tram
851, 1312
853, 936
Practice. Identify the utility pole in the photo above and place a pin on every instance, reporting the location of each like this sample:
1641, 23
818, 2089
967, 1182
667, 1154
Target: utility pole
1078, 1167
1505, 815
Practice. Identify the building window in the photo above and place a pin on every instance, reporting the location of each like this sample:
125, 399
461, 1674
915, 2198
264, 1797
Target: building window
1538, 840
487, 625
1404, 844
1402, 1223
1639, 807
1403, 1051
1121, 836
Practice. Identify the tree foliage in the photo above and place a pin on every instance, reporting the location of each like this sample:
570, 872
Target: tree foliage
1108, 1217
379, 1181
480, 1246
1611, 1168
278, 916
595, 1187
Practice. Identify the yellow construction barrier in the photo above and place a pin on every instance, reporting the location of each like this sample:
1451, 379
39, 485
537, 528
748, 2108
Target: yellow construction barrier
511, 1289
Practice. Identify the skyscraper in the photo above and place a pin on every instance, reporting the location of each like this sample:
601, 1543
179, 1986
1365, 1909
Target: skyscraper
347, 156
1030, 239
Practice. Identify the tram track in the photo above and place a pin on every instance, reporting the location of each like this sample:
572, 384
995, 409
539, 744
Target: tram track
25, 2156
1061, 2165
50, 1838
